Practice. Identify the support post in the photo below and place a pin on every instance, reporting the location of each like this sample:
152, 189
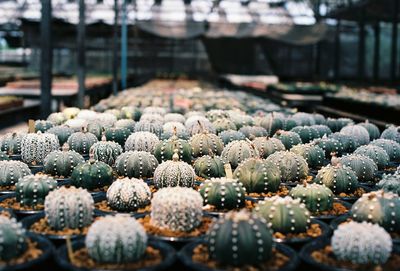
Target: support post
337, 50
317, 70
124, 47
361, 46
393, 64
377, 49
46, 58
81, 61
115, 50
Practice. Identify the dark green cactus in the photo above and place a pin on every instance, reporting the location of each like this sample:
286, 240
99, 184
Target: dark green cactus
304, 119
391, 147
348, 142
289, 139
95, 128
322, 130
378, 154
363, 166
119, 135
32, 190
81, 142
165, 149
316, 197
43, 125
267, 146
293, 167
306, 133
359, 132
271, 123
209, 166
62, 163
329, 145
137, 164
62, 132
11, 143
338, 178
231, 135
392, 133
13, 239
106, 151
313, 154
206, 144
372, 129
337, 124
92, 175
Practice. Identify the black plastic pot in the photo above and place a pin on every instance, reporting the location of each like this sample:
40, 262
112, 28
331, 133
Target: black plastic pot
40, 263
186, 253
328, 218
20, 214
6, 192
354, 199
16, 157
168, 253
62, 182
102, 196
36, 169
289, 186
10, 211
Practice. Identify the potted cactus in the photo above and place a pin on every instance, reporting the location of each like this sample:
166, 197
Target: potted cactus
209, 166
10, 143
231, 135
10, 172
105, 151
136, 164
141, 141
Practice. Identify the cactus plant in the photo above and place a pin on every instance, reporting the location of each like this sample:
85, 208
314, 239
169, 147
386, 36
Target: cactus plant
164, 150
130, 112
322, 130
223, 193
348, 142
62, 163
126, 124
31, 190
11, 143
240, 119
338, 178
267, 146
252, 132
118, 135
271, 123
13, 241
12, 171
224, 124
238, 151
329, 145
372, 130
313, 154
177, 209
216, 114
197, 125
57, 118
288, 139
391, 147
174, 173
316, 197
240, 238
92, 175
127, 194
76, 124
206, 144
136, 164
71, 112
390, 183
231, 135
359, 132
62, 133
35, 147
95, 128
155, 110
141, 141
69, 208
106, 120
147, 126
337, 124
116, 239
363, 166
174, 117
284, 215
378, 207
3, 156
209, 166
106, 151
374, 247
392, 133
43, 125
174, 129
293, 167
258, 176
378, 154
304, 119
81, 142
306, 133
152, 117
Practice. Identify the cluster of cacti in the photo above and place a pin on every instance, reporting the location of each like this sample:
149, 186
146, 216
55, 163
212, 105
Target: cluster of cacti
62, 132
337, 124
378, 207
209, 166
177, 129
12, 171
252, 132
174, 117
81, 142
258, 175
338, 178
284, 215
316, 197
358, 132
223, 193
372, 130
322, 130
288, 138
197, 125
306, 133
363, 166
165, 149
206, 144
76, 124
304, 119
141, 141
231, 135
392, 133
216, 114
177, 209
228, 245
128, 194
118, 135
361, 243
223, 124
106, 151
136, 164
124, 124
57, 118
13, 240
130, 112
377, 154
390, 183
62, 163
92, 175
32, 190
69, 208
391, 147
154, 127
174, 173
11, 143
293, 167
238, 151
329, 145
35, 147
267, 146
43, 125
348, 142
313, 154
95, 128
116, 240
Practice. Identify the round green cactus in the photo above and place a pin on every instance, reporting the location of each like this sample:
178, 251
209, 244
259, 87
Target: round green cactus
12, 171
322, 130
216, 114
271, 123
378, 154
293, 167
372, 129
252, 132
209, 166
313, 154
258, 176
13, 241
238, 151
378, 207
61, 163
288, 139
224, 124
392, 133
136, 164
11, 143
267, 146
284, 215
141, 141
106, 151
92, 175
95, 128
147, 126
390, 183
118, 135
223, 193
197, 125
62, 132
251, 247
306, 133
128, 195
304, 119
174, 129
57, 118
35, 147
337, 124
316, 197
130, 112
126, 124
359, 132
69, 208
348, 142
206, 144
81, 142
174, 117
338, 178
329, 145
391, 147
116, 239
364, 167
231, 135
165, 149
32, 190
43, 125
